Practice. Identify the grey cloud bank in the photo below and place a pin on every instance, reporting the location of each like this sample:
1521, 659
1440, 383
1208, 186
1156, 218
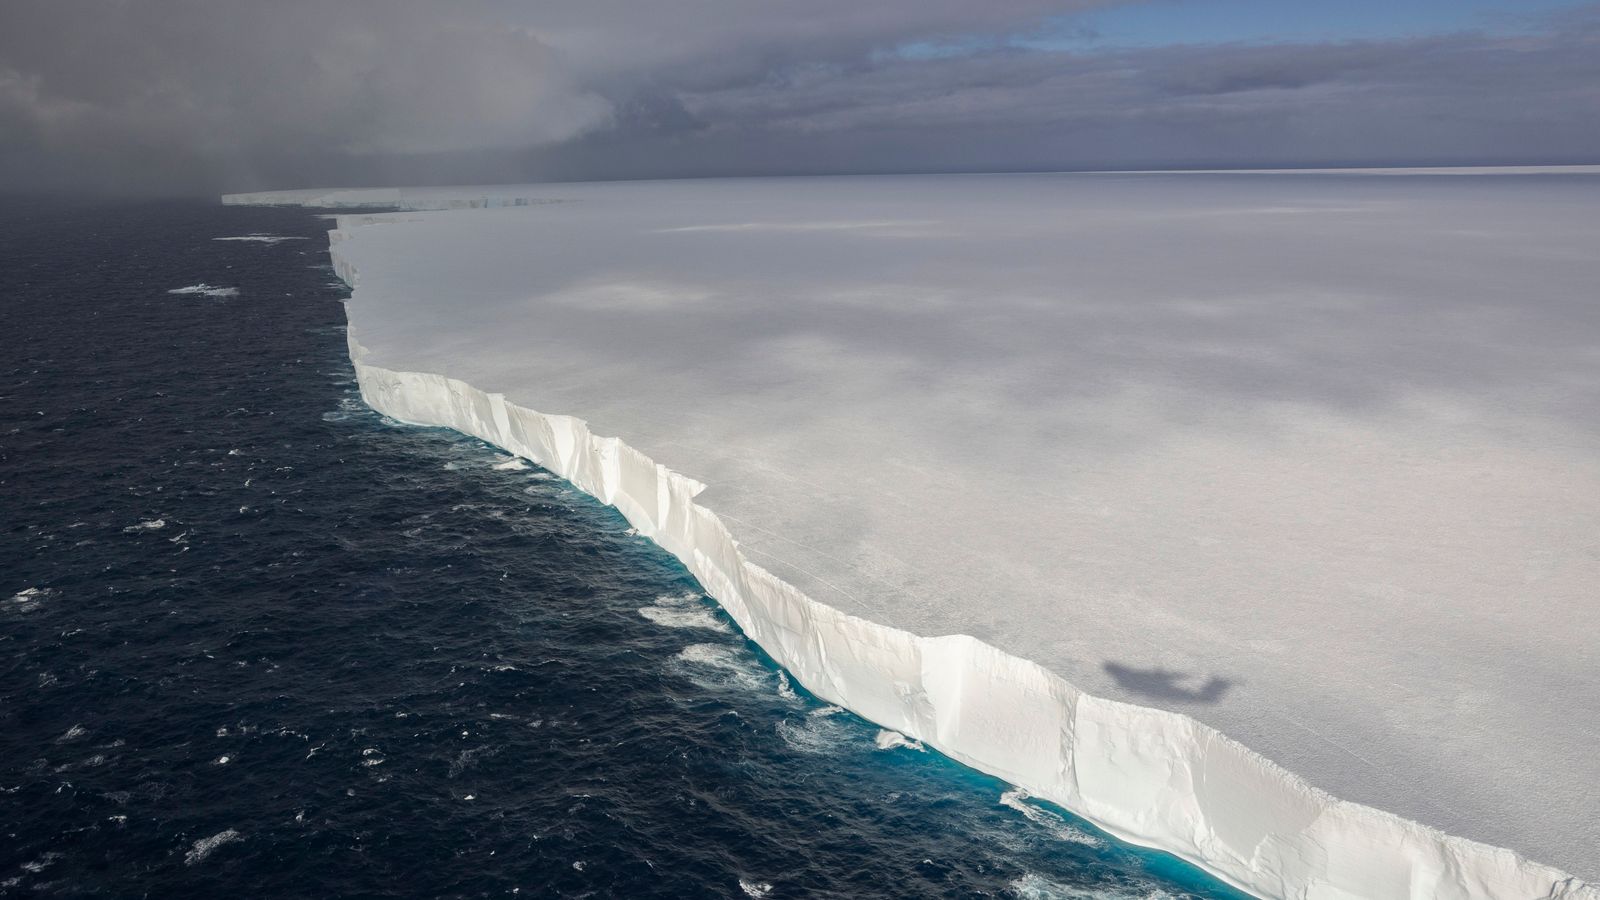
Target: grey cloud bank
189, 96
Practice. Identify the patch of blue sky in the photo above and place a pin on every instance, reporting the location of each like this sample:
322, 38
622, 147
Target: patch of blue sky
1158, 23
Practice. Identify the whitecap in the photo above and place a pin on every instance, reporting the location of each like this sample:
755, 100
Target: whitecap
206, 290
819, 732
785, 689
717, 666
262, 238
72, 734
29, 599
42, 863
1037, 887
683, 611
467, 759
203, 847
755, 888
511, 465
1057, 826
147, 525
888, 740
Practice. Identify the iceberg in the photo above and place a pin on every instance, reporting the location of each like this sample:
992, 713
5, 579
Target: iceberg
1093, 482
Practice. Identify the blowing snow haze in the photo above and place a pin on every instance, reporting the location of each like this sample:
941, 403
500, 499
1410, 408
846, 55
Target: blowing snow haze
208, 95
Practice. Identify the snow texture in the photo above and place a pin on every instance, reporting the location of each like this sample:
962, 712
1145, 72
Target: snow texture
1309, 460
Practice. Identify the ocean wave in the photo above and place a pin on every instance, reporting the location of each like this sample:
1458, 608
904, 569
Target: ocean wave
785, 688
683, 611
262, 238
1056, 825
30, 599
206, 290
889, 740
1036, 887
821, 731
716, 666
205, 846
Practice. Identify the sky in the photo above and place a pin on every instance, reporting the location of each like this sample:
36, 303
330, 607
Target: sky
201, 96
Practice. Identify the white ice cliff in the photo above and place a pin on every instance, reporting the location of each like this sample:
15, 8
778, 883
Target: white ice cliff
1309, 460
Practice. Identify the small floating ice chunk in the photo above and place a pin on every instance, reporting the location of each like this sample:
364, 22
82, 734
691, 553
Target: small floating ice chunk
204, 847
206, 290
888, 740
511, 465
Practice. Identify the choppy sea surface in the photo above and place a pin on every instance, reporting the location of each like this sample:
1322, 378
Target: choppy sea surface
256, 640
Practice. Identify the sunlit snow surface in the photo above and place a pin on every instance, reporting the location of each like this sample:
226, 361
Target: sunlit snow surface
1311, 458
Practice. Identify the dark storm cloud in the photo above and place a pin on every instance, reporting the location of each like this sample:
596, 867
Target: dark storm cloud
218, 94
1465, 97
141, 88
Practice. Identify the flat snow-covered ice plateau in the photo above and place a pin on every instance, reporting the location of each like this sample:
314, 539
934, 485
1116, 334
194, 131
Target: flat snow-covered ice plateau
1071, 475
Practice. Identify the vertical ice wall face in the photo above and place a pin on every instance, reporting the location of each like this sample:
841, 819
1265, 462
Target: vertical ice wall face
1153, 776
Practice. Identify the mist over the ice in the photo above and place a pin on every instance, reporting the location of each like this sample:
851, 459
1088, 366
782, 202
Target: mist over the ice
184, 95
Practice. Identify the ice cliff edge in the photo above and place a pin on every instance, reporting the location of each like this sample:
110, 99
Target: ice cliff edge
1156, 778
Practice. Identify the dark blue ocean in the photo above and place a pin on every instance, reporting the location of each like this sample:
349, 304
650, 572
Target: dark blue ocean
258, 641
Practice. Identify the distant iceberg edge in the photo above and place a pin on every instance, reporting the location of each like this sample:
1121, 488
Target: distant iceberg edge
1154, 778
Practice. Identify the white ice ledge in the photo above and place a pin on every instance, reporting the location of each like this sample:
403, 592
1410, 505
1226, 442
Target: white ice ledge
1151, 777
462, 294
